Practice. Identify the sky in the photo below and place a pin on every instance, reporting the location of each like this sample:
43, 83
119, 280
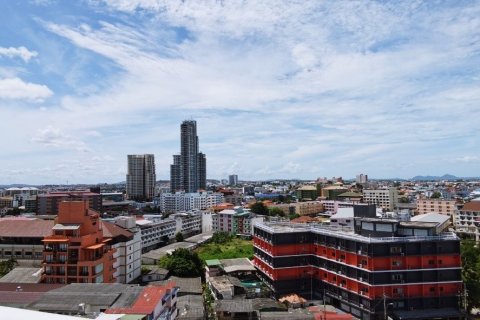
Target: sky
279, 89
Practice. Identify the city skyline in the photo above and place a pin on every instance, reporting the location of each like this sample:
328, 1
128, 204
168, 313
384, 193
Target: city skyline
291, 90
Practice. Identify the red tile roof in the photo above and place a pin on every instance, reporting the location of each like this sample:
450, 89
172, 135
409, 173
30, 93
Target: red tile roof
471, 206
25, 228
146, 302
111, 230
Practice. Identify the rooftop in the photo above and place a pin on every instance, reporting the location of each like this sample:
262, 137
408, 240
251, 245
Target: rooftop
190, 307
25, 228
471, 206
345, 233
238, 264
186, 285
23, 275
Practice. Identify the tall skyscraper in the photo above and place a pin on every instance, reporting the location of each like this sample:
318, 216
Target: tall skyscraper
233, 179
189, 169
141, 177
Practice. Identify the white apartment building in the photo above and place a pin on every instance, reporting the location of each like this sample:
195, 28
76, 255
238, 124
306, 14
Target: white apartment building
155, 232
436, 205
467, 220
188, 223
384, 198
332, 206
181, 201
127, 241
235, 221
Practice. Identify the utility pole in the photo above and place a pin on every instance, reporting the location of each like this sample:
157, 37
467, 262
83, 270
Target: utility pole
384, 305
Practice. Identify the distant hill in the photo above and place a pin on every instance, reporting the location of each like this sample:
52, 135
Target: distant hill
446, 177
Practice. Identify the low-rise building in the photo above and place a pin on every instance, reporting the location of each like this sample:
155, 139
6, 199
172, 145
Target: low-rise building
181, 201
48, 203
21, 238
467, 220
436, 205
188, 223
237, 221
155, 233
384, 198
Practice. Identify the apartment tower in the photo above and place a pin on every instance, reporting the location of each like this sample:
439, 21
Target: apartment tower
141, 177
189, 169
77, 251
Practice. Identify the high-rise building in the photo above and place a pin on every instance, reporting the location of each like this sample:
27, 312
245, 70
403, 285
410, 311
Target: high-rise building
189, 169
233, 179
362, 178
141, 177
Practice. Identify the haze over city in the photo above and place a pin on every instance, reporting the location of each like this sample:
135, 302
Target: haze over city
278, 89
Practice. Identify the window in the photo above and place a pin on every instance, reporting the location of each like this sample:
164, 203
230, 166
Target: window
395, 249
397, 263
397, 276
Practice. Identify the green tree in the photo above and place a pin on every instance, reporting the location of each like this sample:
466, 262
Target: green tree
259, 208
471, 272
221, 237
275, 211
7, 265
436, 195
182, 263
179, 237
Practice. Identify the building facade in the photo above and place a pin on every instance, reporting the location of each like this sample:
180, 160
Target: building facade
233, 180
189, 169
156, 232
235, 221
127, 243
467, 220
384, 198
47, 204
77, 251
181, 201
384, 268
436, 205
141, 177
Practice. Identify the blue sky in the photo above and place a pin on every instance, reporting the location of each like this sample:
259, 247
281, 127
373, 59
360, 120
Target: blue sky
280, 89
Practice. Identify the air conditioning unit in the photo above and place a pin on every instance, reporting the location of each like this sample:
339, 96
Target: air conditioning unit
360, 265
360, 279
361, 305
339, 272
359, 251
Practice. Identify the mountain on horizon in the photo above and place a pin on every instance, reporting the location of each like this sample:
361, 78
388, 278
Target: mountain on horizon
447, 177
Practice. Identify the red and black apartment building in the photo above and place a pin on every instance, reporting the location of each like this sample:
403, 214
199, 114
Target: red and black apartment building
384, 267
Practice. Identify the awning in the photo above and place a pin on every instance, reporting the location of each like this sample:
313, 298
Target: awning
96, 246
55, 240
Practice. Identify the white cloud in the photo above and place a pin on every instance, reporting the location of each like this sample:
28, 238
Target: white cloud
468, 159
284, 89
54, 137
16, 88
20, 52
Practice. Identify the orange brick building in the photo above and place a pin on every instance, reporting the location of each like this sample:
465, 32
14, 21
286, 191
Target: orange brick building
76, 251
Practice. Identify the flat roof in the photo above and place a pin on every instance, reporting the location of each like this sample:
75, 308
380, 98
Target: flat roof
23, 275
213, 262
345, 233
60, 226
